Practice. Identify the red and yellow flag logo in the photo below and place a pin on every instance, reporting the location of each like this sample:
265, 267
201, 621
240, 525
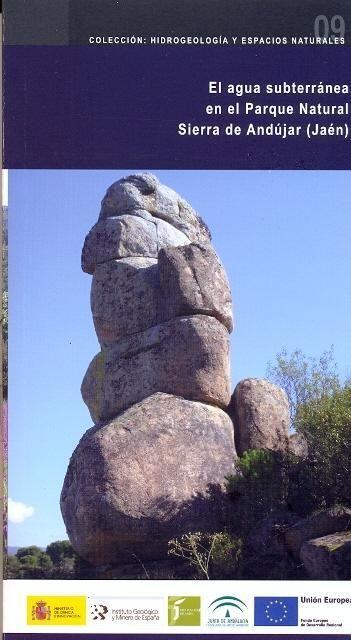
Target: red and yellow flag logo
56, 610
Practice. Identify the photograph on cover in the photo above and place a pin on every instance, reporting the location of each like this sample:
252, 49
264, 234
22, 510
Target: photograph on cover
213, 438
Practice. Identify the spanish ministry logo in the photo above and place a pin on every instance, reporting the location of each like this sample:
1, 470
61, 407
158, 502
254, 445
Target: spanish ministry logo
56, 610
276, 612
40, 611
227, 611
184, 611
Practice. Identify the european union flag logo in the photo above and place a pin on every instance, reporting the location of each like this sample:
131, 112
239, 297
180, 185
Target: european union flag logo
276, 612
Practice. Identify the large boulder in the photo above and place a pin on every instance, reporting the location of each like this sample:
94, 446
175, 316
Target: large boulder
125, 298
121, 237
187, 357
144, 192
153, 473
320, 524
329, 557
193, 281
168, 235
298, 445
132, 294
126, 236
261, 416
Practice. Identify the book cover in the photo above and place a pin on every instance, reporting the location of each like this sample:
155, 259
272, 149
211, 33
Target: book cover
175, 312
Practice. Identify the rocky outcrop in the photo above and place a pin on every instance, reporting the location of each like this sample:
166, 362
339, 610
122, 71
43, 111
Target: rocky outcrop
131, 294
142, 193
153, 465
318, 525
128, 236
114, 238
125, 298
260, 411
146, 476
329, 557
188, 357
162, 443
193, 281
298, 445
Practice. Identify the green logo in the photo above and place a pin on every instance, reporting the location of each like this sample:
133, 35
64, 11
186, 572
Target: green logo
227, 602
184, 611
227, 611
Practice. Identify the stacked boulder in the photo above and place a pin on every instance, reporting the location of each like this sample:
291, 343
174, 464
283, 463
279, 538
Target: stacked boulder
162, 443
260, 412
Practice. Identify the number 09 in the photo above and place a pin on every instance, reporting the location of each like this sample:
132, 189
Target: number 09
322, 28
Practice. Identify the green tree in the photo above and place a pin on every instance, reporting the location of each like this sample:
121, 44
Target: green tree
38, 566
324, 478
59, 550
12, 567
59, 561
28, 551
304, 378
63, 558
30, 562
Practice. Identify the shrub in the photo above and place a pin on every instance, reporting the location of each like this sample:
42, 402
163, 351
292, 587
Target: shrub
261, 487
211, 554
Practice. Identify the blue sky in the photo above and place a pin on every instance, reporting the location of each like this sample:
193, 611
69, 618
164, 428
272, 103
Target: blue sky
284, 238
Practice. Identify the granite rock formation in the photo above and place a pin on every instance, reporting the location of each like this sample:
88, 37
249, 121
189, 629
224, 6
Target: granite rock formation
154, 464
162, 443
145, 476
321, 543
298, 445
318, 525
187, 356
142, 195
260, 411
329, 557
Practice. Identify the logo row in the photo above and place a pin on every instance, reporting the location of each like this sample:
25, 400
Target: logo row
183, 611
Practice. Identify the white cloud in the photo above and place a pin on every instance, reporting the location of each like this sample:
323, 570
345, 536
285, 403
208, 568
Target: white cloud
18, 511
